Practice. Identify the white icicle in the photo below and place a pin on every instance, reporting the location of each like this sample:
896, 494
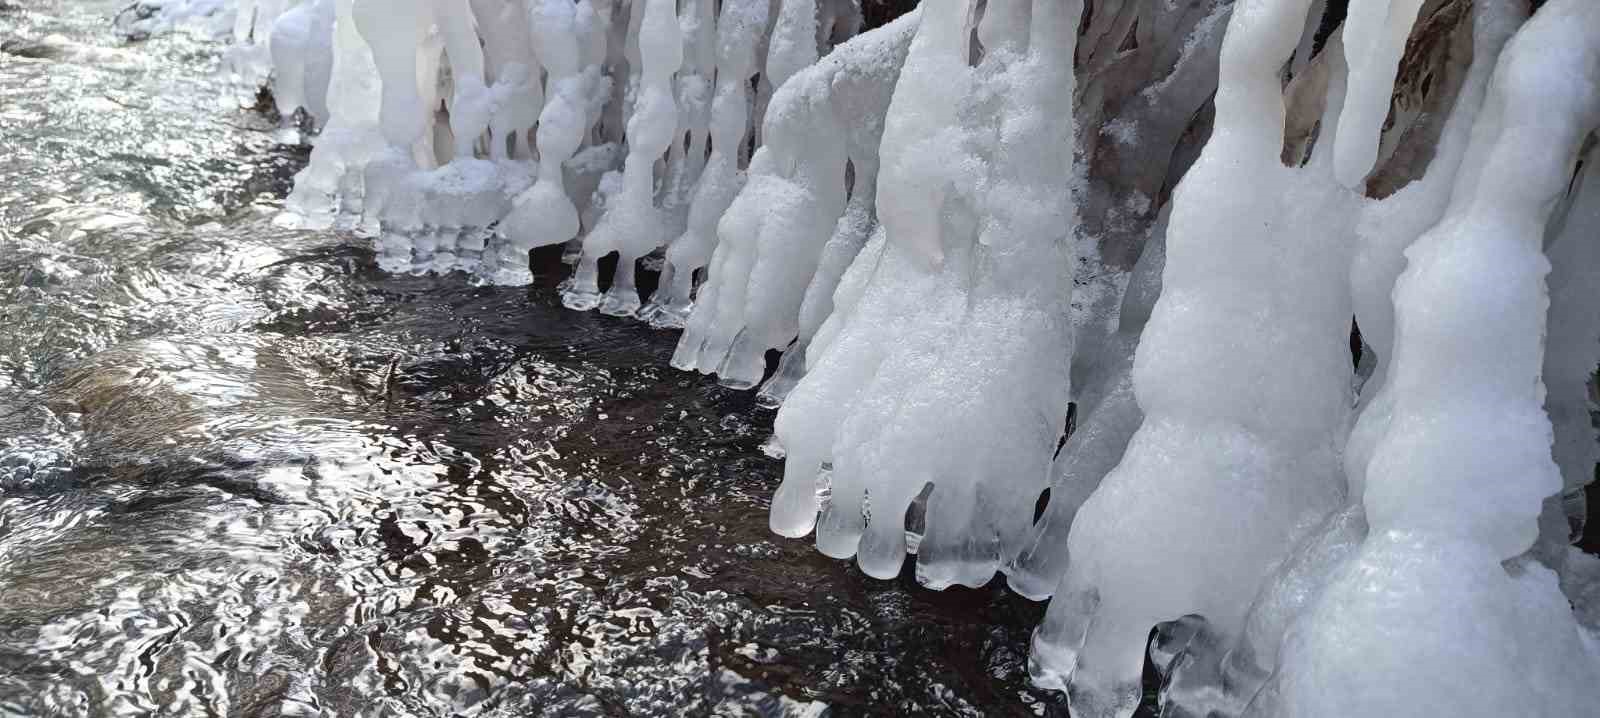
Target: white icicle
774, 234
955, 377
544, 215
1375, 33
302, 59
1244, 377
1458, 481
470, 105
1572, 349
394, 30
1385, 229
793, 45
632, 225
333, 183
1216, 678
738, 31
808, 422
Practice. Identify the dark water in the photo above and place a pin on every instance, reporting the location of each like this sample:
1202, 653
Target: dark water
244, 473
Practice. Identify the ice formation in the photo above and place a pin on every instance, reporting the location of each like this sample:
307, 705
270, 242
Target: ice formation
795, 213
1244, 385
1099, 254
147, 18
738, 31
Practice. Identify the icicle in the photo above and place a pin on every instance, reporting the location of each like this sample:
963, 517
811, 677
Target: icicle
302, 59
1375, 37
1457, 482
1110, 414
955, 377
809, 421
738, 31
1218, 678
633, 225
544, 214
774, 233
1243, 375
793, 45
1387, 228
1572, 349
514, 71
470, 105
333, 183
394, 30
686, 158
862, 100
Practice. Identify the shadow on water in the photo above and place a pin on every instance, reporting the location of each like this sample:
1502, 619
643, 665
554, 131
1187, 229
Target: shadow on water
244, 473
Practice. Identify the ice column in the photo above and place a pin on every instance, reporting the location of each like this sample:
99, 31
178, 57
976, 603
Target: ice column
333, 183
1215, 678
544, 215
470, 105
1572, 349
511, 66
1110, 416
397, 34
949, 364
1375, 33
686, 160
302, 59
1244, 377
1457, 482
738, 31
633, 225
774, 234
1385, 229
861, 99
393, 30
808, 422
793, 44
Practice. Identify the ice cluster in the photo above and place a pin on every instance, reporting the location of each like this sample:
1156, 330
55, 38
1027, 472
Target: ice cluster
1065, 292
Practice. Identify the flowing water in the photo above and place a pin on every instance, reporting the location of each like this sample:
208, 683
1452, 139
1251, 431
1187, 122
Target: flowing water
244, 473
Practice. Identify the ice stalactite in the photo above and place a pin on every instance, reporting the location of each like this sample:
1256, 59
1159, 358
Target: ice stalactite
1211, 675
1375, 33
792, 46
739, 29
633, 224
1572, 349
1145, 102
686, 158
333, 184
470, 103
250, 57
1243, 375
429, 194
947, 359
775, 233
861, 96
1458, 480
511, 65
544, 214
1388, 228
302, 61
1110, 414
625, 226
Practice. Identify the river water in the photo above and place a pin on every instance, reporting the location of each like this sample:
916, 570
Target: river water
244, 473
